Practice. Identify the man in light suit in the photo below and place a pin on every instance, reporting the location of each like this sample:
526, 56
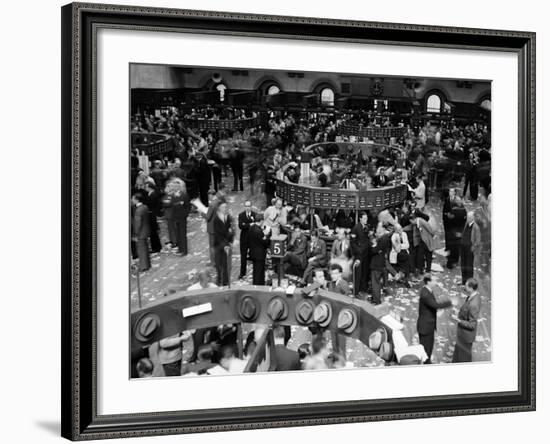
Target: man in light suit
470, 248
423, 243
142, 231
467, 323
427, 315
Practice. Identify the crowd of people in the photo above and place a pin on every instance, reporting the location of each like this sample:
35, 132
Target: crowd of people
359, 254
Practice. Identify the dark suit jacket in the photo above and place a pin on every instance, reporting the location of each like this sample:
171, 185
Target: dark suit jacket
142, 229
427, 311
257, 244
359, 241
467, 319
298, 246
286, 359
212, 213
342, 287
378, 259
457, 223
180, 206
223, 232
319, 252
244, 224
236, 160
154, 203
380, 180
475, 239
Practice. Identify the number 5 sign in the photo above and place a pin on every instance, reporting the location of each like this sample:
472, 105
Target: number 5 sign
278, 245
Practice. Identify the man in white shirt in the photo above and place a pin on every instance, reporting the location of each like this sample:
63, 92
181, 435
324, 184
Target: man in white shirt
420, 192
399, 254
272, 214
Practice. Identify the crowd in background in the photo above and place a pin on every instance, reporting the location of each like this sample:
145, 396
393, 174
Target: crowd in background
369, 251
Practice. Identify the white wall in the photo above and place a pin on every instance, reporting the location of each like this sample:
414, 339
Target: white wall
30, 289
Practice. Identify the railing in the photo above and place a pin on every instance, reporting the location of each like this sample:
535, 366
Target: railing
342, 149
152, 144
336, 199
226, 124
349, 129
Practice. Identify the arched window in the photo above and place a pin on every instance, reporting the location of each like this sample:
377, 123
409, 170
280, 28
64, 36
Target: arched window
327, 97
486, 103
221, 89
433, 104
272, 90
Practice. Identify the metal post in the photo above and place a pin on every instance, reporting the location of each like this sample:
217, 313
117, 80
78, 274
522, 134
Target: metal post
134, 268
227, 270
356, 263
239, 340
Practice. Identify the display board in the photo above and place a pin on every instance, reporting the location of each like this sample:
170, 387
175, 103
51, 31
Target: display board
348, 129
152, 144
214, 124
335, 199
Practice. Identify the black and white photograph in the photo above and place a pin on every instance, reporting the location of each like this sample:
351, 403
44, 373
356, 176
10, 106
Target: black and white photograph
301, 221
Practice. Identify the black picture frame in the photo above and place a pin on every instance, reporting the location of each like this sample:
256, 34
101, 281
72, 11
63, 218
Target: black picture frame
79, 390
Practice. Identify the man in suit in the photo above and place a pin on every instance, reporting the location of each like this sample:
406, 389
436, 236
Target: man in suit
285, 358
470, 247
337, 283
456, 227
467, 323
360, 246
448, 217
379, 252
319, 278
296, 251
158, 174
258, 241
223, 237
202, 171
423, 237
236, 162
427, 314
316, 255
210, 216
380, 179
245, 220
154, 204
142, 231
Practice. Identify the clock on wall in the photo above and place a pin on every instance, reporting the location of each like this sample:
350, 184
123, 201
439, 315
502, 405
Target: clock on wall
377, 88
